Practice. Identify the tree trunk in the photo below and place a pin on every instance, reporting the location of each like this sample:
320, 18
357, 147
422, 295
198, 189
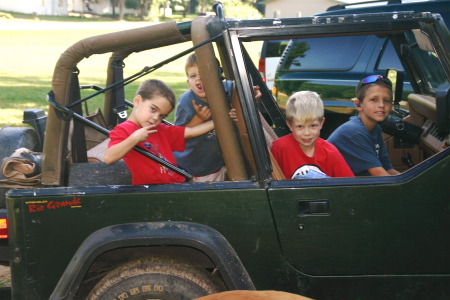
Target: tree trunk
121, 9
113, 5
203, 7
192, 6
144, 7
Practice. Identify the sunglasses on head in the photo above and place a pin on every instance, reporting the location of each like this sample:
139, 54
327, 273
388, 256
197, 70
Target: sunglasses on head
375, 78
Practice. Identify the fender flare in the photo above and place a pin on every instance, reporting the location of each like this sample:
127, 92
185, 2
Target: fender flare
197, 236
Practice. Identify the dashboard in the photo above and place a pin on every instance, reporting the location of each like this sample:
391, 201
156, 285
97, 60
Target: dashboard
422, 110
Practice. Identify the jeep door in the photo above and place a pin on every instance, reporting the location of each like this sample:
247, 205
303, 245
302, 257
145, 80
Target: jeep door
396, 227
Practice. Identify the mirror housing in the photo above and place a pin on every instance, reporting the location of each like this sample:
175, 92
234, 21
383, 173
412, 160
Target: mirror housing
397, 77
443, 109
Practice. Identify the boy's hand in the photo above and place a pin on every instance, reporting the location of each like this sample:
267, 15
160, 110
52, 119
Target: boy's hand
257, 93
203, 112
233, 115
141, 134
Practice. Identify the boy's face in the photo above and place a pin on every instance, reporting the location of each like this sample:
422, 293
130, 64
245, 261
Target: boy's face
150, 111
306, 133
194, 82
376, 105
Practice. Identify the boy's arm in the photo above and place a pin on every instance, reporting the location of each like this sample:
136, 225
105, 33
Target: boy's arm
393, 172
194, 121
119, 150
200, 129
380, 171
203, 113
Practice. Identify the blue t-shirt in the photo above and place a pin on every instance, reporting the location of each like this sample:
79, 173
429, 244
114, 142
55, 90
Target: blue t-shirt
361, 149
202, 155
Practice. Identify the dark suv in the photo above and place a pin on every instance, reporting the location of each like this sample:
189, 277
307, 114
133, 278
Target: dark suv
332, 66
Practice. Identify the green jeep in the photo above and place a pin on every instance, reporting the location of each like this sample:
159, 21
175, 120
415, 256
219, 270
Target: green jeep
88, 234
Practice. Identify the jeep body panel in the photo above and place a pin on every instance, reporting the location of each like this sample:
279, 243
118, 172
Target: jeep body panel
154, 234
52, 217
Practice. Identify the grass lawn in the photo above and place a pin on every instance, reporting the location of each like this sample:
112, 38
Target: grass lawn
28, 57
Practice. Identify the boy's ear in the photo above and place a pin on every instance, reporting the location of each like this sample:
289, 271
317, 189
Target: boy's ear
289, 125
321, 123
137, 99
357, 104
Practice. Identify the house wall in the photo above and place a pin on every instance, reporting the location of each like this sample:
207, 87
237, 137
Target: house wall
41, 7
99, 7
296, 8
59, 8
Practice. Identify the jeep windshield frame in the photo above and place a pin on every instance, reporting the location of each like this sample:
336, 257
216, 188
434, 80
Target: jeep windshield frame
237, 32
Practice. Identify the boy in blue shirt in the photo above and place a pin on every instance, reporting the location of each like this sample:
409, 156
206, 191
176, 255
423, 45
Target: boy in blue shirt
360, 139
202, 156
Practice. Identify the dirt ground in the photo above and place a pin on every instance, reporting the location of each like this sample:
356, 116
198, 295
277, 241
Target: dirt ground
5, 277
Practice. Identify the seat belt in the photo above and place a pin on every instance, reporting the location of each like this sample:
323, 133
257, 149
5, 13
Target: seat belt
79, 151
120, 108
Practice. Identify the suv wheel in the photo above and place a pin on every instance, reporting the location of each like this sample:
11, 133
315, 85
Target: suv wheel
156, 278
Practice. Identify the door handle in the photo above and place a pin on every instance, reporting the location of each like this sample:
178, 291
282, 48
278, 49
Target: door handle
313, 207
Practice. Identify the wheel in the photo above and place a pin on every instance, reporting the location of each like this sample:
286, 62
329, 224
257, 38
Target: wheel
155, 278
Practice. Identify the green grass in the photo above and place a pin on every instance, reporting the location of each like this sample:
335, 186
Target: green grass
5, 283
28, 58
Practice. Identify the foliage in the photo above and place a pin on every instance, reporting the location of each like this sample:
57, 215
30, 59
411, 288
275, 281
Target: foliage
4, 283
134, 4
237, 9
6, 16
298, 51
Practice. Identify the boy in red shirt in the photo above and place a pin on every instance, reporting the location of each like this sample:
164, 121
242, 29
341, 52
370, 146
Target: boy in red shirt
154, 100
302, 153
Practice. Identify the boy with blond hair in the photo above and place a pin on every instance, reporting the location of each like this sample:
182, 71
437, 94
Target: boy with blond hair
202, 156
302, 153
154, 100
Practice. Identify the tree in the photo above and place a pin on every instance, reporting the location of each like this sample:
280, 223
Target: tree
121, 9
113, 5
238, 9
142, 5
144, 8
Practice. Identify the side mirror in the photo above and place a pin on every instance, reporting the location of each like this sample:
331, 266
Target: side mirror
443, 109
396, 77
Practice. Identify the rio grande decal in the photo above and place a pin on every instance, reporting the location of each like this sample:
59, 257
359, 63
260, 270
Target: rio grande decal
37, 206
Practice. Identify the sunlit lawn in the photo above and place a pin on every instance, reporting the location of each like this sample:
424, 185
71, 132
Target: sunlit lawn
28, 58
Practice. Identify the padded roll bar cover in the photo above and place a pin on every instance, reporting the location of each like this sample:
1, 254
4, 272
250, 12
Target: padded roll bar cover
138, 39
208, 68
173, 38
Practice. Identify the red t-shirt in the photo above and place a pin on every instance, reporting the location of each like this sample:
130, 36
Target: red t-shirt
143, 169
327, 158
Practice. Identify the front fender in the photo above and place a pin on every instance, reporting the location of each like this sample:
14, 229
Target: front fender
197, 236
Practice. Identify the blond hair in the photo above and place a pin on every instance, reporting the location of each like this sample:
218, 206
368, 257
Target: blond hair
190, 61
304, 106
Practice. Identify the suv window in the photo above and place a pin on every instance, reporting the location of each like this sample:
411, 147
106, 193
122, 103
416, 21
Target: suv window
275, 48
433, 73
389, 59
332, 53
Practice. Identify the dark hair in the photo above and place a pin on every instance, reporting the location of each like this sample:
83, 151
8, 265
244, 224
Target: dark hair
150, 88
364, 84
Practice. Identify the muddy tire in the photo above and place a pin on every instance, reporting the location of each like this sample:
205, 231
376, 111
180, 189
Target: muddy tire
155, 278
